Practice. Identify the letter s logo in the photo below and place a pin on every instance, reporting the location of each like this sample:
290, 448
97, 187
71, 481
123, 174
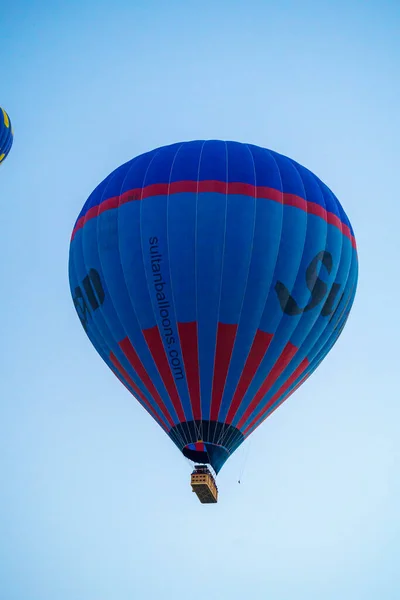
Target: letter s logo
94, 292
315, 284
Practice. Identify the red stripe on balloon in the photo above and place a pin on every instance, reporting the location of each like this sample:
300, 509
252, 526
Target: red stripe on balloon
220, 187
109, 204
279, 394
154, 342
284, 359
257, 352
137, 365
152, 413
226, 335
122, 375
190, 354
296, 387
295, 201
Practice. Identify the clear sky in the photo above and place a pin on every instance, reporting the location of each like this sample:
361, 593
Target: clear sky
95, 502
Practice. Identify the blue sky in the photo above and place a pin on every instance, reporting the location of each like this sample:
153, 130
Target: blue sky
95, 502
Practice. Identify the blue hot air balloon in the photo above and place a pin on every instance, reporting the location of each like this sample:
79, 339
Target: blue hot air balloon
213, 278
6, 134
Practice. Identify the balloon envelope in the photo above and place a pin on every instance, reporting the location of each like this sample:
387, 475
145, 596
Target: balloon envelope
212, 277
6, 134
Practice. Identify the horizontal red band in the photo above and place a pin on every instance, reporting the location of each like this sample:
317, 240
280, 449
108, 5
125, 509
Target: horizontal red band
220, 187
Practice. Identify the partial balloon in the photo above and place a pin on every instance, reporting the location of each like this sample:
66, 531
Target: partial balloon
213, 278
6, 134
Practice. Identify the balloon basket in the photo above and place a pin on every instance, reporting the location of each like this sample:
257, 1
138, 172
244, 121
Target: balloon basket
203, 485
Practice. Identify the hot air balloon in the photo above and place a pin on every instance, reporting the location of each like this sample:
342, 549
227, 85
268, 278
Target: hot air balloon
213, 278
6, 134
